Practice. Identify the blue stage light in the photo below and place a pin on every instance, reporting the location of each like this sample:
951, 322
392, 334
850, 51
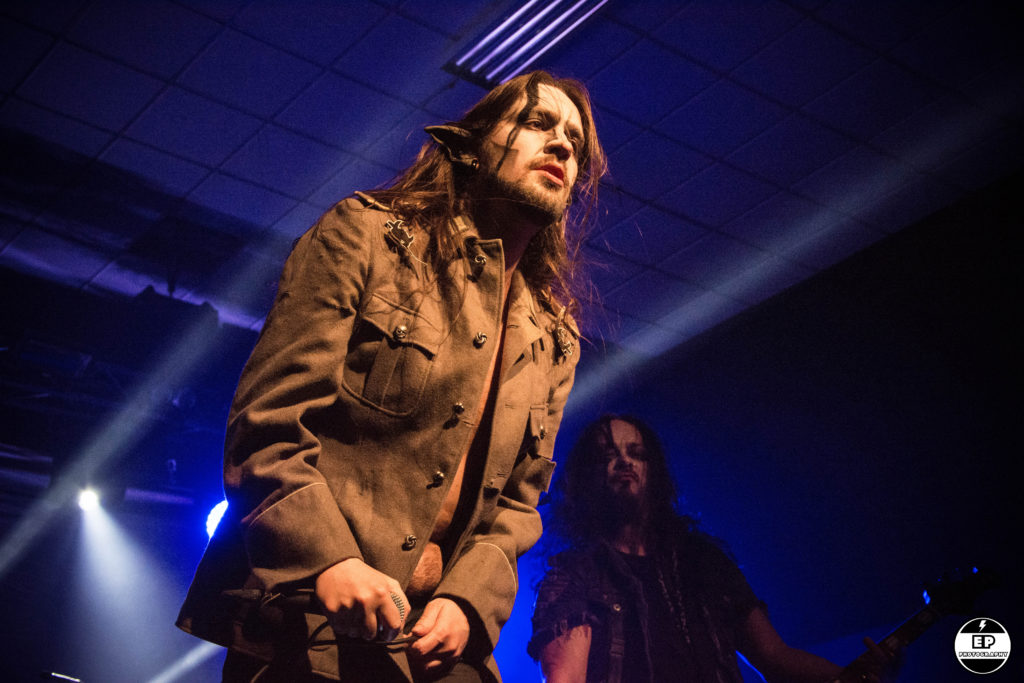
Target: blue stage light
213, 519
88, 499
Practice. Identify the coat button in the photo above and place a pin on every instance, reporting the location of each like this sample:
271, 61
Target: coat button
480, 259
616, 607
458, 408
543, 432
479, 340
401, 332
438, 478
409, 543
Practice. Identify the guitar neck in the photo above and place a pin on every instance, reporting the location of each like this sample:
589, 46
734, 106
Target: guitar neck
905, 633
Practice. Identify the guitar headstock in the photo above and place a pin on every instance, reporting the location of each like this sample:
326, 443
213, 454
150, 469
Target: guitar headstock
956, 592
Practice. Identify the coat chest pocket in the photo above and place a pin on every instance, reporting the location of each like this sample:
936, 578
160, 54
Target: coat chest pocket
390, 355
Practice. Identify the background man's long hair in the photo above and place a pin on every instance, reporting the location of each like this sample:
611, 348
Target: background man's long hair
580, 514
432, 192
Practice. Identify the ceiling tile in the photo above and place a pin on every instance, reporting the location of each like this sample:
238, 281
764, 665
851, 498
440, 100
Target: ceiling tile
397, 148
10, 226
976, 38
936, 132
911, 202
220, 10
166, 173
885, 24
453, 100
49, 15
619, 89
403, 58
454, 17
297, 221
803, 63
341, 112
764, 280
649, 342
291, 163
1000, 93
254, 205
193, 127
661, 294
790, 150
999, 155
309, 28
699, 313
647, 236
601, 325
712, 260
872, 100
47, 125
154, 37
249, 74
835, 243
646, 15
651, 165
23, 47
723, 35
358, 174
594, 44
809, 5
721, 118
717, 194
91, 88
612, 130
780, 221
607, 271
615, 206
854, 179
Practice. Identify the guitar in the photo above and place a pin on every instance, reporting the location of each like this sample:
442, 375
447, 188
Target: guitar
954, 595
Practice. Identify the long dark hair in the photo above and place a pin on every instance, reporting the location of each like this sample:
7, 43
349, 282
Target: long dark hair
578, 515
432, 192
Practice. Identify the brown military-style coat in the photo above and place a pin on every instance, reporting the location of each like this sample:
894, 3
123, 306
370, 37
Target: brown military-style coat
348, 425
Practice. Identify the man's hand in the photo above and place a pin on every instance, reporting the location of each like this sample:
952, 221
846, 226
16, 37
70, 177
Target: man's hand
881, 666
358, 600
443, 632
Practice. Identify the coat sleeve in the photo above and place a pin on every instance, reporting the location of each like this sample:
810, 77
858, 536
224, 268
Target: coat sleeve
291, 525
484, 578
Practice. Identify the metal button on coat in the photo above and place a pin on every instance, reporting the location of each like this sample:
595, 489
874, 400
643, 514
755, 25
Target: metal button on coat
480, 259
401, 332
438, 478
458, 408
409, 543
479, 340
543, 432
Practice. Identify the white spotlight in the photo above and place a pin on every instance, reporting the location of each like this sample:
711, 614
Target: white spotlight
213, 519
88, 499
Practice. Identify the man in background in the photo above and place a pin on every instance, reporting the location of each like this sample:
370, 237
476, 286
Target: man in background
641, 595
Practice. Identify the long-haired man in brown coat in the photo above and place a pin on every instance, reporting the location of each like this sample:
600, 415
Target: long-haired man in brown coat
393, 429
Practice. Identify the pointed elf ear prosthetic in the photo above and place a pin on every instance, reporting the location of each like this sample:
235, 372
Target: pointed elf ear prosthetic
457, 144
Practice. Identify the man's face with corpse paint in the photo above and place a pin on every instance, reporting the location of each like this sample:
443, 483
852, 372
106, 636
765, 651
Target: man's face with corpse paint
532, 156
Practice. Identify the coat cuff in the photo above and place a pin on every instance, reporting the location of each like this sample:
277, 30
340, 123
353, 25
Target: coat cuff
485, 579
298, 537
